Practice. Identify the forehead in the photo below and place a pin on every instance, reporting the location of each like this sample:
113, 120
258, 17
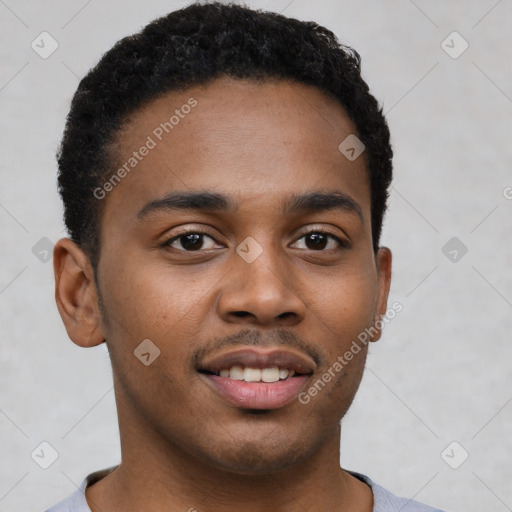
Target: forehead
255, 141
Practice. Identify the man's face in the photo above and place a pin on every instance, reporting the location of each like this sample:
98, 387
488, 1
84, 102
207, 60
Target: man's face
256, 287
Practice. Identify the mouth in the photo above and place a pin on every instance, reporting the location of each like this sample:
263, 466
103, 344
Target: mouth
252, 378
248, 374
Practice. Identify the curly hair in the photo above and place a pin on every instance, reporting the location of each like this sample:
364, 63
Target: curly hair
193, 46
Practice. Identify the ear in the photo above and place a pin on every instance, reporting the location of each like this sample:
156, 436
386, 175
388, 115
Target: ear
383, 262
76, 294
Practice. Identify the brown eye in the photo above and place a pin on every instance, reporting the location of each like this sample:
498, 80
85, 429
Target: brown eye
319, 241
189, 241
316, 240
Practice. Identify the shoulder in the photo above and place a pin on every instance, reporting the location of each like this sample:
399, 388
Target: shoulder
386, 501
76, 502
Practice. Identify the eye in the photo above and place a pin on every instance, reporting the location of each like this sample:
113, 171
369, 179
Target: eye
318, 240
190, 241
193, 240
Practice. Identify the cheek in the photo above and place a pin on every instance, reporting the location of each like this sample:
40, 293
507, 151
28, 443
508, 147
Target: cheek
156, 303
345, 305
147, 301
343, 311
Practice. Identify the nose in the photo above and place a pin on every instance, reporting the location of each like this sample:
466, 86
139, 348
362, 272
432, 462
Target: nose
263, 292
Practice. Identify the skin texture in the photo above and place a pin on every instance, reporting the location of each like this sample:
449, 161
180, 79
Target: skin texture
183, 446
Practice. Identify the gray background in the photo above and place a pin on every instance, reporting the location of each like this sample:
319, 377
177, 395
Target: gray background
442, 371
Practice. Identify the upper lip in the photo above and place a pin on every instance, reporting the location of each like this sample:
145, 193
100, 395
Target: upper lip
259, 358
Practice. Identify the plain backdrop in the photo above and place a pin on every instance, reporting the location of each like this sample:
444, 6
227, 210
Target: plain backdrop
433, 417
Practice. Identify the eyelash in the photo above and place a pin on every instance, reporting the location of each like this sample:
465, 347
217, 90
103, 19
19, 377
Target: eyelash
342, 244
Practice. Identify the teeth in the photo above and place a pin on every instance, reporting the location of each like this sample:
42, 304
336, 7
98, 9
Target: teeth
252, 374
283, 373
270, 374
247, 374
236, 372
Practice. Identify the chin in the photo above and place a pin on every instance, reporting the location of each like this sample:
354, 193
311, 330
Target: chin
253, 458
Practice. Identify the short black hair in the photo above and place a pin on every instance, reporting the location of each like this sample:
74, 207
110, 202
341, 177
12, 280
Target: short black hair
194, 46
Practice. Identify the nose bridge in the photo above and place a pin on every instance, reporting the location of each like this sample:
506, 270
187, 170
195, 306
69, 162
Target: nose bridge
260, 282
261, 264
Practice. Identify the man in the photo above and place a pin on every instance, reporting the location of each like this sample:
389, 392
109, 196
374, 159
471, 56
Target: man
225, 175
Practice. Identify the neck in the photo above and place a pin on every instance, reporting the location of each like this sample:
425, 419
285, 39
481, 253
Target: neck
157, 475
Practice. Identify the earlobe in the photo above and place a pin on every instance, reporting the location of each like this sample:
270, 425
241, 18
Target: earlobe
76, 294
383, 261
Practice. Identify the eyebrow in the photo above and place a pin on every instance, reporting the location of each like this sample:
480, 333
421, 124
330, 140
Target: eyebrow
203, 201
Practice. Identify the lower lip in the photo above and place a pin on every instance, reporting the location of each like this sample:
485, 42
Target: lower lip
257, 395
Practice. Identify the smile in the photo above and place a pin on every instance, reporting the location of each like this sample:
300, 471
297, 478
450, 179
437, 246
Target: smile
257, 378
248, 374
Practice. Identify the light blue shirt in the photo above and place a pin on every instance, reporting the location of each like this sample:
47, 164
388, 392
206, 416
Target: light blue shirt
383, 500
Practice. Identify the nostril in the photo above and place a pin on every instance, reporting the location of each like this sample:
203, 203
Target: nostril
241, 314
